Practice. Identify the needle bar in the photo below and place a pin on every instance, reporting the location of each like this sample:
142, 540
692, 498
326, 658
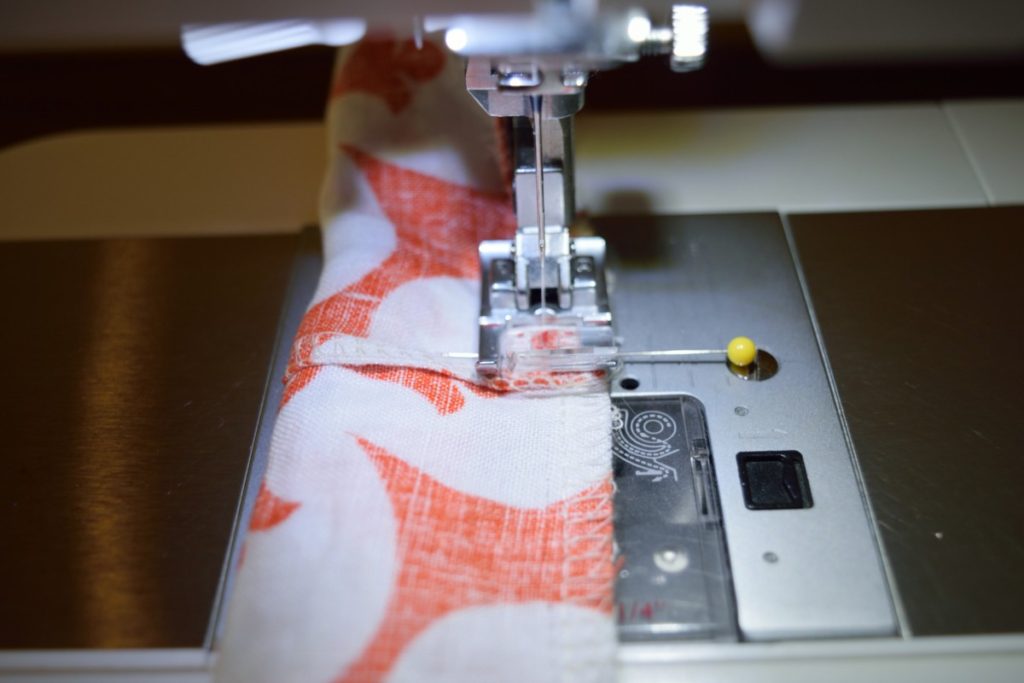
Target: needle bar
542, 233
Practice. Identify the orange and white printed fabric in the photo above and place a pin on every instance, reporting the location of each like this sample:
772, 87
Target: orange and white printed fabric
413, 524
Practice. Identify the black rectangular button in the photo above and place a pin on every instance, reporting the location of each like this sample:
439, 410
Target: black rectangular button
774, 480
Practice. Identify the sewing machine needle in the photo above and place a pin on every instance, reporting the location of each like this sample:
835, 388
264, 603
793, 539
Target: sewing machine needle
542, 235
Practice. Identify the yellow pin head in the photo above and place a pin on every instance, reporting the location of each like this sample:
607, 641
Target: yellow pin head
741, 351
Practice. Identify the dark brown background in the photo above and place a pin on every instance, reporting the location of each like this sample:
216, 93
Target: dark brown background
46, 93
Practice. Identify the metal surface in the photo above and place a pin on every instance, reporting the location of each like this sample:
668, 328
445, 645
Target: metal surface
696, 282
673, 579
484, 83
543, 276
893, 660
920, 314
133, 379
544, 191
305, 275
535, 67
498, 312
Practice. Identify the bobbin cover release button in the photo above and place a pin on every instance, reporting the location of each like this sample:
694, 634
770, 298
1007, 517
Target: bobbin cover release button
774, 480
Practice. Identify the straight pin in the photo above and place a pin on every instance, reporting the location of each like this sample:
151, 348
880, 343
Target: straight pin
741, 352
673, 355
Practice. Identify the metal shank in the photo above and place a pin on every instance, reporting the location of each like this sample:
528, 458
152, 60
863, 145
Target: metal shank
525, 281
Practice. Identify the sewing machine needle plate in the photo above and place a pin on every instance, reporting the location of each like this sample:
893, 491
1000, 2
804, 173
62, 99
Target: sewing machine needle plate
673, 580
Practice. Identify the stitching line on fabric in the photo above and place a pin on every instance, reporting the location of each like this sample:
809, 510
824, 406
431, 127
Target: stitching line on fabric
311, 350
587, 527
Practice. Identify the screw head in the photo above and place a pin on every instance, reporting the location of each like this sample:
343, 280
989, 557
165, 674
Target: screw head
689, 37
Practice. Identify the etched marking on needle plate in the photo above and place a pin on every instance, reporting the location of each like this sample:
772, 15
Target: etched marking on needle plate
644, 440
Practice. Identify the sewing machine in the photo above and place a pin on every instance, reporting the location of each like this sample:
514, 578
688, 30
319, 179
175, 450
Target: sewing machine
741, 517
717, 527
756, 522
716, 524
